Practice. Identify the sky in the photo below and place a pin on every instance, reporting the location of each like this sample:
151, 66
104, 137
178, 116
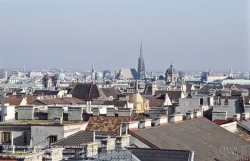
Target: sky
193, 34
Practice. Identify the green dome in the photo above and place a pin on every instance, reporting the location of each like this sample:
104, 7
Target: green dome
98, 75
61, 75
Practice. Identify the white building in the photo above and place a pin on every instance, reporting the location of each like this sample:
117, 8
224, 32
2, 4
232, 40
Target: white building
15, 77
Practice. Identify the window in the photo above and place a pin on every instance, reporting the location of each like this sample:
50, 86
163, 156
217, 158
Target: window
201, 101
25, 137
6, 137
52, 139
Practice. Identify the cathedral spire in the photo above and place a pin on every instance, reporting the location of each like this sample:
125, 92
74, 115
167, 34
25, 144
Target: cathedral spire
93, 66
141, 50
93, 71
141, 66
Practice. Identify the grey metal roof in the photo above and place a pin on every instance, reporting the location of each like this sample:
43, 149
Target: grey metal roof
245, 124
80, 137
202, 136
146, 154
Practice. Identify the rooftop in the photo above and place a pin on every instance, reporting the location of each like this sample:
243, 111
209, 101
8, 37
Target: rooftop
64, 100
109, 124
200, 135
147, 154
36, 122
81, 137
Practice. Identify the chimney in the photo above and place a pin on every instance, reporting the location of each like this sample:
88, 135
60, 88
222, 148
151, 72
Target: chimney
25, 112
244, 116
108, 144
222, 102
160, 120
175, 118
197, 114
122, 141
110, 111
132, 125
124, 111
58, 120
89, 149
189, 115
53, 154
3, 97
55, 112
96, 111
236, 117
144, 124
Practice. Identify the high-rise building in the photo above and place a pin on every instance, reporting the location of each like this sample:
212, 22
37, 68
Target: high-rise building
231, 73
141, 66
3, 74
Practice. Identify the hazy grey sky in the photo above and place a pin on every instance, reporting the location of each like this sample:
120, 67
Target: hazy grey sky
193, 34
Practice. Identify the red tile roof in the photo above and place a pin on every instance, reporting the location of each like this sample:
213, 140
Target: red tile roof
110, 124
13, 100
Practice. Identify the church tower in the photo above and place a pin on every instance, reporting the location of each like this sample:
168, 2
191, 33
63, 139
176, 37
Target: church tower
141, 66
93, 72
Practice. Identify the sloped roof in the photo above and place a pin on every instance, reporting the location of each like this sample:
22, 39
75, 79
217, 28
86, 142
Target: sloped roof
110, 124
92, 91
189, 86
37, 92
13, 100
46, 92
86, 91
228, 86
110, 92
30, 99
146, 154
129, 73
64, 100
81, 137
52, 92
171, 94
199, 135
212, 86
157, 100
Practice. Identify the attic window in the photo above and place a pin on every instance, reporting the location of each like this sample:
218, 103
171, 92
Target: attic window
6, 137
52, 139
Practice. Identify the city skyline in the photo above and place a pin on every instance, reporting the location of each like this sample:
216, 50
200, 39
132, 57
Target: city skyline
193, 35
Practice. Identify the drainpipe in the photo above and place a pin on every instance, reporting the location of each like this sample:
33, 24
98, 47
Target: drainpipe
12, 139
94, 136
121, 130
126, 129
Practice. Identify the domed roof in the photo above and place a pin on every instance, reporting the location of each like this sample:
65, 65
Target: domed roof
61, 75
171, 70
98, 75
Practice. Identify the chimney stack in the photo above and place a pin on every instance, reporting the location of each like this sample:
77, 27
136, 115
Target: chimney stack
3, 96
